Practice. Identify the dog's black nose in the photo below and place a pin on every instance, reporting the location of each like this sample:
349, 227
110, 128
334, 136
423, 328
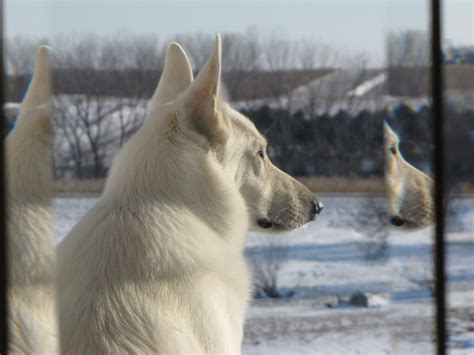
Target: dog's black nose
265, 223
397, 221
316, 208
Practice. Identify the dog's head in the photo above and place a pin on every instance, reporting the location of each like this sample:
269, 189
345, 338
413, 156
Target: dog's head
192, 114
409, 190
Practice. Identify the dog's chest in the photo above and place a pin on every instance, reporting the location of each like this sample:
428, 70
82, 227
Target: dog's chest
221, 304
213, 305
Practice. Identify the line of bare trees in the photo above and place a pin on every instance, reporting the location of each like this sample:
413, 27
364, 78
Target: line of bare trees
91, 126
103, 83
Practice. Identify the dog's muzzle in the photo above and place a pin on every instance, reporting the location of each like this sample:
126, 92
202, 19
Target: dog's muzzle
315, 208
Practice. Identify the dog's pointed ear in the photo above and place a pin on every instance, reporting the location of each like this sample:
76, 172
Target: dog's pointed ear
39, 91
201, 98
176, 77
389, 134
35, 110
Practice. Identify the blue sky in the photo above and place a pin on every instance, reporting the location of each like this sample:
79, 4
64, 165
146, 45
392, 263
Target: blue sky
349, 25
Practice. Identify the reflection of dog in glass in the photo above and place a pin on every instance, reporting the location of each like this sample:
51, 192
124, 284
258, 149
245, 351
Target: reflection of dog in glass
31, 285
409, 190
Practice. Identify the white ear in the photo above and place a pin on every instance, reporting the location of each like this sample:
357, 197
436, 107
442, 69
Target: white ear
389, 133
39, 91
176, 77
201, 98
206, 85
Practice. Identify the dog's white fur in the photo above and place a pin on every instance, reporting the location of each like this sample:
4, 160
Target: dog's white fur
32, 311
409, 190
156, 266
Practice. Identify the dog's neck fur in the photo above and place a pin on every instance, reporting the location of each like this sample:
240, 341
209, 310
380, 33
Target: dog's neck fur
151, 178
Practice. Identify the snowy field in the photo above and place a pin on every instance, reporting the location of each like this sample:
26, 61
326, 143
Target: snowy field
346, 289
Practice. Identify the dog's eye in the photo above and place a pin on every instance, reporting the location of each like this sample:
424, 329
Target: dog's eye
261, 153
392, 150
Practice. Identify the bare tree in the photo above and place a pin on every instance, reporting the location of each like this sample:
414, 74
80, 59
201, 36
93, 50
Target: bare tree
141, 53
278, 52
241, 55
69, 145
408, 49
266, 264
241, 52
313, 54
408, 62
92, 125
20, 54
371, 218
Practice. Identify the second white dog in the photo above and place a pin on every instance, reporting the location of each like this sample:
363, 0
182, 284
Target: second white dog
156, 266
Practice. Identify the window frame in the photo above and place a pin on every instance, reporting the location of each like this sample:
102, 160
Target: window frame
437, 85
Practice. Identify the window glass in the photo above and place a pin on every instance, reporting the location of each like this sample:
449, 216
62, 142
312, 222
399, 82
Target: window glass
341, 92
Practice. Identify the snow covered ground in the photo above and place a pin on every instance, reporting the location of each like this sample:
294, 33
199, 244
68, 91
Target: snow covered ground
318, 269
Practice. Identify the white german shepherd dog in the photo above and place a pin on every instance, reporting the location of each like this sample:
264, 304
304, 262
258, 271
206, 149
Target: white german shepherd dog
409, 190
156, 266
32, 310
